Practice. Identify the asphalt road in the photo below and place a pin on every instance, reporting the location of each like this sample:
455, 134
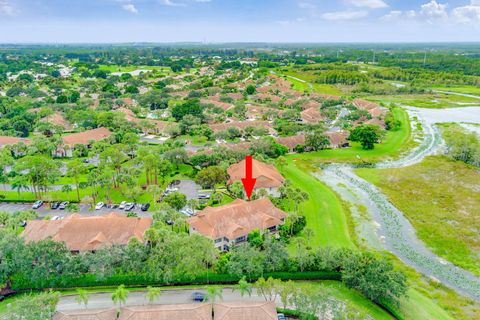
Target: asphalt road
46, 211
137, 298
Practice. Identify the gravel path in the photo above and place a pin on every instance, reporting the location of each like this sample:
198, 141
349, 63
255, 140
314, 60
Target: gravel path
392, 229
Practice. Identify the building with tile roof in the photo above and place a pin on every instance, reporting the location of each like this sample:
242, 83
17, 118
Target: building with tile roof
230, 224
88, 233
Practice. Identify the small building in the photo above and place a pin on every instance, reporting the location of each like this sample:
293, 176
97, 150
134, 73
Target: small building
230, 224
90, 233
267, 176
85, 138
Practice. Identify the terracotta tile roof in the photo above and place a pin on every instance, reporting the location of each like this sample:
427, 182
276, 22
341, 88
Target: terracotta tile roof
91, 314
7, 140
311, 115
235, 95
337, 139
58, 119
86, 136
199, 311
266, 174
236, 219
292, 142
264, 310
267, 96
88, 233
364, 104
129, 114
259, 111
223, 105
239, 124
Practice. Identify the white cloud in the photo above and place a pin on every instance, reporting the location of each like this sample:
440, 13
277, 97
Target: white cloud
130, 7
372, 4
203, 1
467, 14
434, 10
170, 3
6, 8
344, 15
306, 5
392, 15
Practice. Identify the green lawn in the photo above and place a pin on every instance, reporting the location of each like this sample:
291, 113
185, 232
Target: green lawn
429, 100
310, 78
461, 89
323, 210
394, 143
441, 198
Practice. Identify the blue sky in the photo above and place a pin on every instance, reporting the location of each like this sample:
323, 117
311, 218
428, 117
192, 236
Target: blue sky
74, 21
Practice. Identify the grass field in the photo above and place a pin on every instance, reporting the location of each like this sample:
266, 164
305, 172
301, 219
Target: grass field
309, 79
323, 210
430, 100
461, 89
394, 143
441, 198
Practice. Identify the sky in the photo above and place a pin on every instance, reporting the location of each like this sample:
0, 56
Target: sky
217, 21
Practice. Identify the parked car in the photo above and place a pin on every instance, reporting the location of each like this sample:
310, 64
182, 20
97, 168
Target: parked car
145, 206
2, 298
199, 297
204, 196
23, 224
122, 205
99, 206
63, 205
37, 204
55, 205
129, 206
86, 161
187, 211
55, 218
281, 316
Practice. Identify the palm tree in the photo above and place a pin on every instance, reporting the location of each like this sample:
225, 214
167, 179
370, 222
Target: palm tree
152, 294
308, 233
20, 183
154, 190
244, 287
82, 297
119, 296
213, 293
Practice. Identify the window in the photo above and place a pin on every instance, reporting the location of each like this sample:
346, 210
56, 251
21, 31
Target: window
240, 239
218, 240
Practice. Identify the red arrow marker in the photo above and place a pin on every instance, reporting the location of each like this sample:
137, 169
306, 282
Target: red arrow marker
248, 181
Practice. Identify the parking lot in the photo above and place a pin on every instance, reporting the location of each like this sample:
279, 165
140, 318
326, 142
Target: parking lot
45, 210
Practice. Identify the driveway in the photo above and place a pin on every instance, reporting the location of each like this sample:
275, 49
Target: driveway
137, 298
189, 188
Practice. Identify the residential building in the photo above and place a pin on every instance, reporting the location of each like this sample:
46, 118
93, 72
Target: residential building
86, 138
267, 176
230, 224
88, 233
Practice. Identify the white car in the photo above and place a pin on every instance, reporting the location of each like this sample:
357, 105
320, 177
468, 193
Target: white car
54, 218
122, 205
99, 206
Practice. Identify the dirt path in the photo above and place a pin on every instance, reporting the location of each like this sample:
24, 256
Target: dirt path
392, 230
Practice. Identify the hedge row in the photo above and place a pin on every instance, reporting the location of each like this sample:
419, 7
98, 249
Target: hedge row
24, 283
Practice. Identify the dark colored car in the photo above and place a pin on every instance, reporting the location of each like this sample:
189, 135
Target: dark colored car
55, 205
37, 204
129, 206
2, 298
281, 316
145, 206
86, 161
63, 205
198, 297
